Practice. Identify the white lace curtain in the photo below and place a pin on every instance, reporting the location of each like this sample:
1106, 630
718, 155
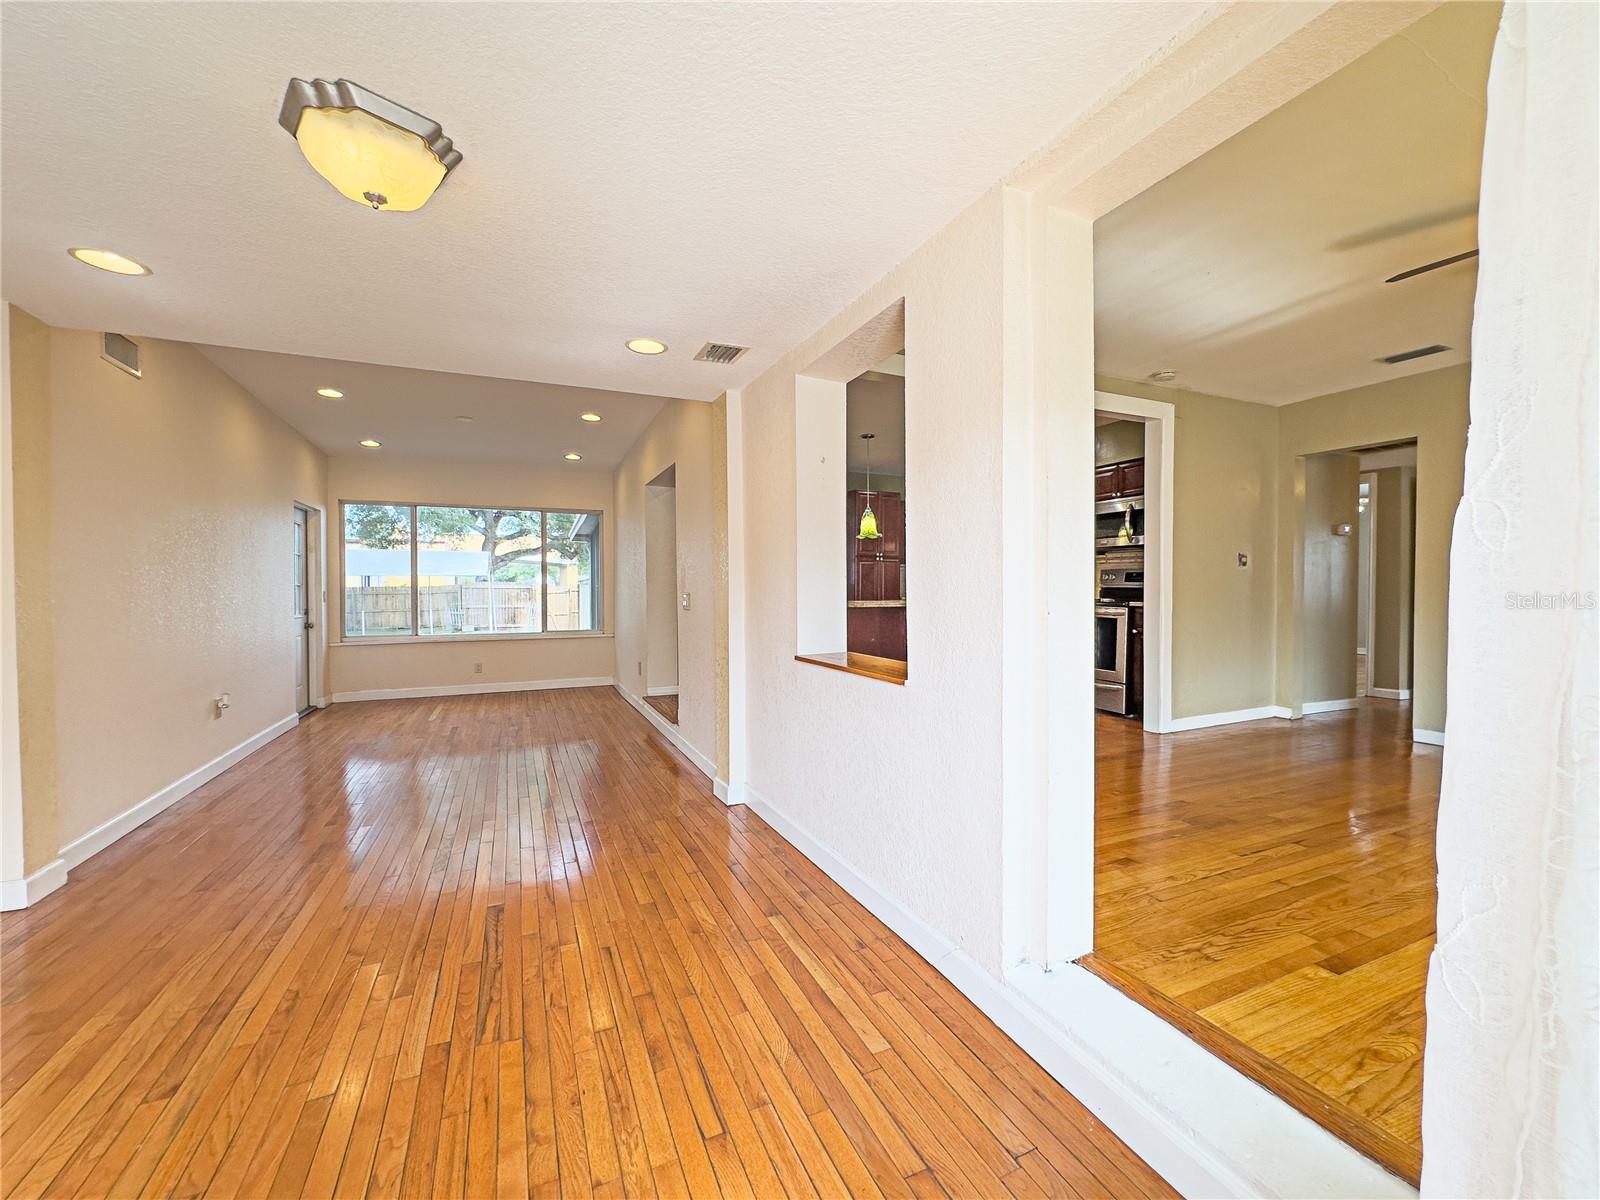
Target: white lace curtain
1509, 1084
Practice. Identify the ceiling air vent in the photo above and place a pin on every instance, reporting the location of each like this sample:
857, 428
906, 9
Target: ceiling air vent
121, 352
719, 352
1419, 352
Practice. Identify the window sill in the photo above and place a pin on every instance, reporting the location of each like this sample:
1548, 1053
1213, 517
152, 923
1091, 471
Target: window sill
435, 639
869, 666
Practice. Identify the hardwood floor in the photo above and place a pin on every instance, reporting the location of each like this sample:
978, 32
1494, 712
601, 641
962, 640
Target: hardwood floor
667, 706
499, 945
1276, 881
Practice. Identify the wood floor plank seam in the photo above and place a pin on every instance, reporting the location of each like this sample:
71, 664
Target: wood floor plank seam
499, 945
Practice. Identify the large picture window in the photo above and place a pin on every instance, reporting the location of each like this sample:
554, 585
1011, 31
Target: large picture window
423, 570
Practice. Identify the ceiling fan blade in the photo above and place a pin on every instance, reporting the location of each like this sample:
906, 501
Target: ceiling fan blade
1433, 266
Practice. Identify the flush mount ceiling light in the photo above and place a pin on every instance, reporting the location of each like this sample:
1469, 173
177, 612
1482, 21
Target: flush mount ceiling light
370, 443
108, 260
466, 420
371, 149
592, 418
647, 346
572, 456
1164, 376
330, 393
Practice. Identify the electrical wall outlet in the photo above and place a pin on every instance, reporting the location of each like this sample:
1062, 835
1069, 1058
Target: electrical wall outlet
477, 668
683, 601
1244, 559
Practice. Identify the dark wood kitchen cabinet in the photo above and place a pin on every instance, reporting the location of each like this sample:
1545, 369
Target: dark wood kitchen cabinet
875, 566
891, 514
875, 579
1106, 482
879, 631
1131, 480
1119, 479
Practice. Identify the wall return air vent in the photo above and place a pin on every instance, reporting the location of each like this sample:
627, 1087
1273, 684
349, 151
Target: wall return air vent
719, 352
121, 352
1408, 355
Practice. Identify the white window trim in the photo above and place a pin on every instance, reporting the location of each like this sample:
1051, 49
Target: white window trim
417, 637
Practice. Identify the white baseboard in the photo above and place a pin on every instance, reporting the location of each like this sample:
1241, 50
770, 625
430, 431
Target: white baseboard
1390, 693
472, 689
20, 893
1237, 716
1205, 1128
662, 691
1429, 737
671, 732
101, 836
1322, 706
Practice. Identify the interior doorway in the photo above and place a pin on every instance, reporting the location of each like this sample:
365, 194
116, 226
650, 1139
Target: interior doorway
302, 618
1264, 875
661, 593
1364, 516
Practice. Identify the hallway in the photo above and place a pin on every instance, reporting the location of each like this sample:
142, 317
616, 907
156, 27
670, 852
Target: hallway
499, 944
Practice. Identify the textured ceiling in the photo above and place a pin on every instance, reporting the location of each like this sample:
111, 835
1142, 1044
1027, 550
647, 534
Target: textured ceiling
731, 172
414, 413
1257, 271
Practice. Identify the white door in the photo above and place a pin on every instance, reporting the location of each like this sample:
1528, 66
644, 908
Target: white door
302, 615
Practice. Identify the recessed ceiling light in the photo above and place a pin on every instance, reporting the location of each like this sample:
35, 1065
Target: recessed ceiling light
465, 420
371, 149
647, 346
1164, 376
592, 418
109, 260
371, 443
572, 456
330, 393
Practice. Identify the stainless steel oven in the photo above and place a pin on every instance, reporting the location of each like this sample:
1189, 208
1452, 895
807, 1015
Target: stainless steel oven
1111, 658
1119, 522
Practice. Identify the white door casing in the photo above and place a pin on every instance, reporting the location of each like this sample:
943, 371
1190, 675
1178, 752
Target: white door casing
302, 612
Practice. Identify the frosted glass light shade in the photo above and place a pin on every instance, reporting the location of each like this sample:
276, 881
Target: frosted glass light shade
369, 160
372, 150
869, 524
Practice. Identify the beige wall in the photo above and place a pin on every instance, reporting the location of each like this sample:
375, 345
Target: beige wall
1118, 441
681, 435
32, 471
903, 782
1235, 463
1225, 462
661, 586
12, 822
1328, 577
1432, 409
356, 667
163, 543
719, 588
1393, 513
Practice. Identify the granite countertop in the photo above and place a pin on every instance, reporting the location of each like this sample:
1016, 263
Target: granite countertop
877, 603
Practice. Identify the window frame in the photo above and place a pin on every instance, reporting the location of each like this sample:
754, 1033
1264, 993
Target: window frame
417, 637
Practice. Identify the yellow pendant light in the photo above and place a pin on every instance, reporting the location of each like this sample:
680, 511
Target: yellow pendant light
869, 520
371, 149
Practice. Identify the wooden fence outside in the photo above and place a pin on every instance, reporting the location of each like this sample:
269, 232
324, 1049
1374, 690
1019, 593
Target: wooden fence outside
457, 608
